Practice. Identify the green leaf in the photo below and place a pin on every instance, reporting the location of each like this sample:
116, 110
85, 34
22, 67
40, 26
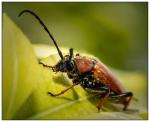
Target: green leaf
19, 68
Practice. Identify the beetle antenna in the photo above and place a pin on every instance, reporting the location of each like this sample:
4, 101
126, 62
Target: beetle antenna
45, 28
71, 53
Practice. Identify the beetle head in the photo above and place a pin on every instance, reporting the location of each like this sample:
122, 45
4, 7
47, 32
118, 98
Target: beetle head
66, 64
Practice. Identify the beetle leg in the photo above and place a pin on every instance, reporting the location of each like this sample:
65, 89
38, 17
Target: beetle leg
92, 91
128, 96
97, 91
63, 91
44, 65
103, 99
127, 100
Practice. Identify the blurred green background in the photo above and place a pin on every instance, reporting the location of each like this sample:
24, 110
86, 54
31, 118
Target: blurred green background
117, 33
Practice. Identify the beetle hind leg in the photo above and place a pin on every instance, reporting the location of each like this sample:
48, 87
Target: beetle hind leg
127, 98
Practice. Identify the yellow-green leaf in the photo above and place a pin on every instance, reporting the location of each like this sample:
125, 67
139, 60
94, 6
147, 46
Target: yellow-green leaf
19, 68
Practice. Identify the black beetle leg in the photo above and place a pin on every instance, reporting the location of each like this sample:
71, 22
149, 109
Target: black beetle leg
103, 99
127, 98
62, 92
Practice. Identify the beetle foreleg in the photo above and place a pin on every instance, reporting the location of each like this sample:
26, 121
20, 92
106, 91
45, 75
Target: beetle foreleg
44, 65
128, 96
103, 99
63, 91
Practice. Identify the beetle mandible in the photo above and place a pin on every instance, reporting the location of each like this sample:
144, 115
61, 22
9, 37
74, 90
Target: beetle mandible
89, 72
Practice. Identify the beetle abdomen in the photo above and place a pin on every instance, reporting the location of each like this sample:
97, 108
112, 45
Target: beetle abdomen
105, 76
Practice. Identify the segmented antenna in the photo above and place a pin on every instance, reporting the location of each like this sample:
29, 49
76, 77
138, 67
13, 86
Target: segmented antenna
45, 28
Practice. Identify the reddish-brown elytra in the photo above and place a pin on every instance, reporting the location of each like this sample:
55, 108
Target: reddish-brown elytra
90, 73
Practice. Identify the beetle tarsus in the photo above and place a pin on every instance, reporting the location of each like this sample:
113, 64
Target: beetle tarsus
63, 91
51, 94
98, 108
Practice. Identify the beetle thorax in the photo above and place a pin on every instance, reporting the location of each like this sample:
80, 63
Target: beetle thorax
84, 64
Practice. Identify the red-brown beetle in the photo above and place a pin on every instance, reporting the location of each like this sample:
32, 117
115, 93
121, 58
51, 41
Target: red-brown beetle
90, 73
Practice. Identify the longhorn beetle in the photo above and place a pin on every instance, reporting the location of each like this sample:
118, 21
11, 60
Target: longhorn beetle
89, 72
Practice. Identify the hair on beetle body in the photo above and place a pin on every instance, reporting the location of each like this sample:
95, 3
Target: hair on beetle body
90, 73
